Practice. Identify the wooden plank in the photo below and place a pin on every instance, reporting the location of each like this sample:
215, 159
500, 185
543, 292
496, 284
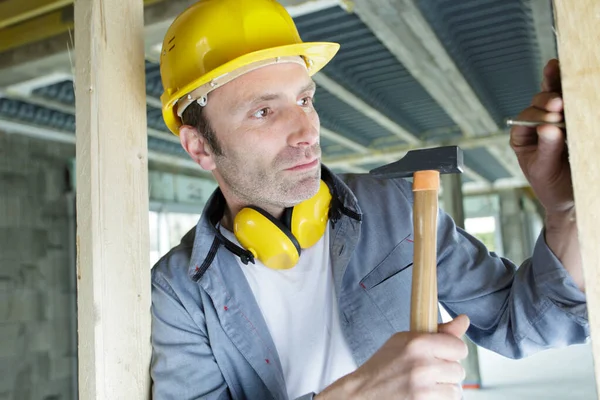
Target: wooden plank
36, 29
32, 28
578, 29
112, 201
15, 11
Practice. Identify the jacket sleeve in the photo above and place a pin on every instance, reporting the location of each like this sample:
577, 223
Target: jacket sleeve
183, 366
514, 310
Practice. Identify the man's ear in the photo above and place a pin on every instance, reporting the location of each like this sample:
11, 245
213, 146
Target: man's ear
197, 147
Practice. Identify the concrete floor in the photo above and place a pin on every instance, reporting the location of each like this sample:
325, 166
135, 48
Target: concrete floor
565, 374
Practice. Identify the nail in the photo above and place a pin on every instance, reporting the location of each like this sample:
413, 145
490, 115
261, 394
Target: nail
514, 122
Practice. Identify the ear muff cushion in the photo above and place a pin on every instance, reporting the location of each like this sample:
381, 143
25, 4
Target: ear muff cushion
309, 218
266, 238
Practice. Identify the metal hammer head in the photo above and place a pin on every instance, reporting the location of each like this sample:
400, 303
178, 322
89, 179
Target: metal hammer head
446, 160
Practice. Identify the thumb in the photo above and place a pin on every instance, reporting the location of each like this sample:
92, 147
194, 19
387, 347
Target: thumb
457, 327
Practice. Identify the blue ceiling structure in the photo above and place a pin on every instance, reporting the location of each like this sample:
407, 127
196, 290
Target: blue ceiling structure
492, 42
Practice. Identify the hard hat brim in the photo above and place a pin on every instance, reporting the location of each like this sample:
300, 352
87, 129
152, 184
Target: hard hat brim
317, 54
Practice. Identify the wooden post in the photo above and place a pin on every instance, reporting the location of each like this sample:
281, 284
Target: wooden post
578, 30
112, 201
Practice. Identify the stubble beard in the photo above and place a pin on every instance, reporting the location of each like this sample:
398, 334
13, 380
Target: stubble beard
272, 185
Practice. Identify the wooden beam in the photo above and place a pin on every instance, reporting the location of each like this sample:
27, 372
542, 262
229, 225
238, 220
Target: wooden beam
15, 11
578, 28
113, 265
33, 26
36, 29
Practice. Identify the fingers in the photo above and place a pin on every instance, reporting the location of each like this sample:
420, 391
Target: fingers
551, 81
440, 371
437, 345
457, 327
440, 392
545, 107
548, 101
535, 114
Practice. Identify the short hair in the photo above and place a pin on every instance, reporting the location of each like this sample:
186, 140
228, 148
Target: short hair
195, 116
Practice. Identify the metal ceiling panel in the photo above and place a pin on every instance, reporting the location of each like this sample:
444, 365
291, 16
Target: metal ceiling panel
155, 119
63, 92
365, 67
340, 117
28, 113
493, 43
482, 162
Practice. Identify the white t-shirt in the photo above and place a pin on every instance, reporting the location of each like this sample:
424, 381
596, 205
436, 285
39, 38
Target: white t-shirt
300, 308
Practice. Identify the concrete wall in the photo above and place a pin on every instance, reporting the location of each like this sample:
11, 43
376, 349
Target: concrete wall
37, 297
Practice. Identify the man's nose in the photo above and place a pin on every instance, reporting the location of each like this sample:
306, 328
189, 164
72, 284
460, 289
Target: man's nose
305, 133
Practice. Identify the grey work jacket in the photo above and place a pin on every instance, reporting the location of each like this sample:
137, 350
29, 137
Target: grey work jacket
210, 340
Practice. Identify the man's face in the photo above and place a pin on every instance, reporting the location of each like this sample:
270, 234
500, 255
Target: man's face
268, 130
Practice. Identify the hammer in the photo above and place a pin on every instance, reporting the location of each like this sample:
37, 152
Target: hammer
425, 166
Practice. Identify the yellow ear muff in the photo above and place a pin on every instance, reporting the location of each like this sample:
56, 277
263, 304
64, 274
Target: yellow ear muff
309, 218
272, 242
266, 238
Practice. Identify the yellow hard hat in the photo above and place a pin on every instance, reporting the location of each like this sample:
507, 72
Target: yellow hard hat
215, 41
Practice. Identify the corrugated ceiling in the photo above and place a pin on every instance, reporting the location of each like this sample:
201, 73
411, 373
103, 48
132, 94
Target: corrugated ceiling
492, 42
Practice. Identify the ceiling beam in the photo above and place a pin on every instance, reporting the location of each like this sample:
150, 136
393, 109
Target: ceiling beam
36, 29
26, 88
15, 11
361, 106
53, 53
297, 8
476, 188
344, 141
402, 28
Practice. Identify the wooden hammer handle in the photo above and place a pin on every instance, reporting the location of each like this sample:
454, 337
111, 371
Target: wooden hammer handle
424, 300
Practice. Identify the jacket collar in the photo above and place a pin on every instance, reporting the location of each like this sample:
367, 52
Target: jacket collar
208, 239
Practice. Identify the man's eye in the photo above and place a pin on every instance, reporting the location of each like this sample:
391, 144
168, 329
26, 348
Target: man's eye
261, 113
306, 101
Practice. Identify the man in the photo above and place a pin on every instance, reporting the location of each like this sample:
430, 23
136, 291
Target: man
296, 282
